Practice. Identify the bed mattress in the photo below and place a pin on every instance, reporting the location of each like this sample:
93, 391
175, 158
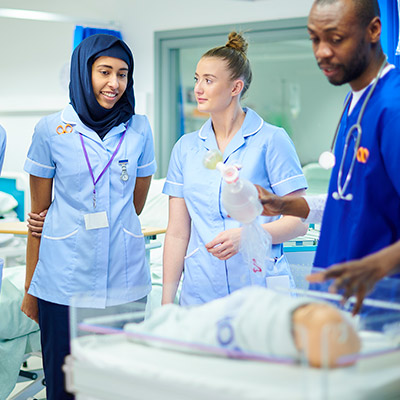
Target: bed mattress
111, 366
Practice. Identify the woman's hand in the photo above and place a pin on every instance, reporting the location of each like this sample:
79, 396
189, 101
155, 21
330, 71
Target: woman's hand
226, 244
35, 223
30, 307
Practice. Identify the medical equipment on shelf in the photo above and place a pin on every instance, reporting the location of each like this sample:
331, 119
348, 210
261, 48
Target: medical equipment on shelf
327, 158
241, 202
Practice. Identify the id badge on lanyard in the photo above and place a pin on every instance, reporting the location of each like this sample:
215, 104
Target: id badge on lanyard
97, 220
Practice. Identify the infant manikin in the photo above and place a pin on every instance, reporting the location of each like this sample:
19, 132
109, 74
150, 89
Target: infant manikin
254, 320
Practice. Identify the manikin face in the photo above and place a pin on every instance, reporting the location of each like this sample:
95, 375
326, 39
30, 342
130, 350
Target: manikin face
214, 88
109, 80
339, 42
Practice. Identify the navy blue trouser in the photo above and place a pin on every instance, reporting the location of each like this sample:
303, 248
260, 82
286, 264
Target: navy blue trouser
55, 341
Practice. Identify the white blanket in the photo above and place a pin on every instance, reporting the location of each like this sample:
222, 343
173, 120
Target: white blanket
252, 320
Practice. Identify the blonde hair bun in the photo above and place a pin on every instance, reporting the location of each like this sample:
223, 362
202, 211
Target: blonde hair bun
237, 41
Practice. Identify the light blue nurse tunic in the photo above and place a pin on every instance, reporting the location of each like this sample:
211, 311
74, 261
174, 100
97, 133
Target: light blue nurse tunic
268, 158
107, 265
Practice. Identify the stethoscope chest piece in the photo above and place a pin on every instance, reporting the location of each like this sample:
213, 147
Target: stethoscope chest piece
327, 160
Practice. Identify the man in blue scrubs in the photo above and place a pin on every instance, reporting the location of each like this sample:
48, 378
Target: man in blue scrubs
345, 36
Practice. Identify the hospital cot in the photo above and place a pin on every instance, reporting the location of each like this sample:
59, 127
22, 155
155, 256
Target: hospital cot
105, 363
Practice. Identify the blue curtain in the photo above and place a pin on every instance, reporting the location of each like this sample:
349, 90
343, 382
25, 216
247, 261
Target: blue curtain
81, 33
398, 29
390, 30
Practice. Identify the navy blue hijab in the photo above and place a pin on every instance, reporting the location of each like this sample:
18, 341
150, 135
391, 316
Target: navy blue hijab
81, 94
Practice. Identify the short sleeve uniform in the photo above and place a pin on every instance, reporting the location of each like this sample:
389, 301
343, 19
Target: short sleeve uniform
267, 157
371, 220
107, 265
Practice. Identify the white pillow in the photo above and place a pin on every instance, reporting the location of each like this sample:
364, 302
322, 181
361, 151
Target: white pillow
7, 203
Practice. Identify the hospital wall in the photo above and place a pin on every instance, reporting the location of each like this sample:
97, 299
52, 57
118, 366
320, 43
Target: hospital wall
35, 54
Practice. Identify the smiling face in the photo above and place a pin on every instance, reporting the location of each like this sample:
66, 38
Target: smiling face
214, 89
339, 42
109, 80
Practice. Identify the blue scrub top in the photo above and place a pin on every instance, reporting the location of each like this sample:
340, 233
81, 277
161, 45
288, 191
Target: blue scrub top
106, 264
268, 158
3, 141
371, 221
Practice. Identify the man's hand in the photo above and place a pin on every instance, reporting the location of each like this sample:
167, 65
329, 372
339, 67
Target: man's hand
354, 278
272, 204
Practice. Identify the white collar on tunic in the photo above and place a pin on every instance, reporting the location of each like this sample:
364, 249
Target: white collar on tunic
252, 124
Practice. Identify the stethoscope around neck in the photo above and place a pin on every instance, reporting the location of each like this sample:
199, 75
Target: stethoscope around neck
327, 159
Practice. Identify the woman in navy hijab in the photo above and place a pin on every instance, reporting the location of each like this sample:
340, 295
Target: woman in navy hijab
90, 165
84, 99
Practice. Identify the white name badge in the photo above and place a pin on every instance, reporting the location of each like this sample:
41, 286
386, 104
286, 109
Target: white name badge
278, 282
96, 220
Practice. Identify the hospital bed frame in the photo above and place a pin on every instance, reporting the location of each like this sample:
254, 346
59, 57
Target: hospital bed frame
35, 379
